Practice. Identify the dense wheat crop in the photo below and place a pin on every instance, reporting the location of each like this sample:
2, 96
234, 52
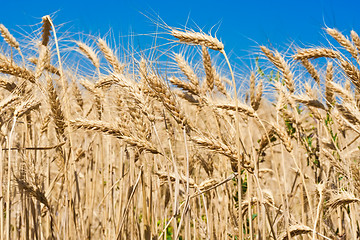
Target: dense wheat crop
98, 144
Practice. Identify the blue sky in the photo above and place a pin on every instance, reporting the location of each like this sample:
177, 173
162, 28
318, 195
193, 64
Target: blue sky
241, 25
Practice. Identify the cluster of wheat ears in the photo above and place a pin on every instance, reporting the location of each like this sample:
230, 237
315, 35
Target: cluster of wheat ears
128, 150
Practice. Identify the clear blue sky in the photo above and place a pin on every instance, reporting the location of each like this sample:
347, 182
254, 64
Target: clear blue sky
242, 25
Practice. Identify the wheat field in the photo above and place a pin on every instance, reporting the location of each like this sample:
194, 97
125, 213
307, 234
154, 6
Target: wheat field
96, 144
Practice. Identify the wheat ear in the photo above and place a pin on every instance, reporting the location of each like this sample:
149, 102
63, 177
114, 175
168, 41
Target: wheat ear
110, 56
343, 41
313, 53
109, 129
9, 38
311, 69
281, 64
48, 67
186, 69
57, 113
209, 72
329, 93
341, 199
46, 28
351, 71
8, 67
196, 38
89, 53
356, 39
295, 230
